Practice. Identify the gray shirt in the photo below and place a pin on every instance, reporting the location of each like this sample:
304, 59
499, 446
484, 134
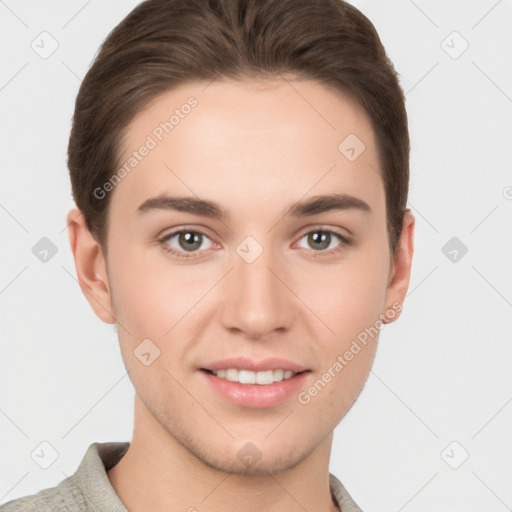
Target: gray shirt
90, 490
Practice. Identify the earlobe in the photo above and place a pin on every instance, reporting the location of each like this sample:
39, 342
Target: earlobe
401, 270
90, 266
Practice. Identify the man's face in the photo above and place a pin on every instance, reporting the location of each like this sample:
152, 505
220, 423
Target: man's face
259, 283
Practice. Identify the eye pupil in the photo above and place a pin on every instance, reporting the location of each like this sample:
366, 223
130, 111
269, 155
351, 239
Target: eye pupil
192, 240
322, 239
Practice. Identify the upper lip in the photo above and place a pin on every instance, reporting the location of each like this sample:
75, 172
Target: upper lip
244, 363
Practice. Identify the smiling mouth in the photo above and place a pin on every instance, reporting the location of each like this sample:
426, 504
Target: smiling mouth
265, 377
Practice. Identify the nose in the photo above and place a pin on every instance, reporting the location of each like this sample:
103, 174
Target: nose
258, 302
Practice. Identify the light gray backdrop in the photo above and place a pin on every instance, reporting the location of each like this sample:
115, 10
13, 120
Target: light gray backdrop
432, 429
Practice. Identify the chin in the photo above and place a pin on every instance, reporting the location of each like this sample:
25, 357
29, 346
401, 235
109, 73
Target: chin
249, 459
263, 466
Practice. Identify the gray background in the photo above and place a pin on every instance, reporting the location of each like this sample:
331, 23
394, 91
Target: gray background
440, 389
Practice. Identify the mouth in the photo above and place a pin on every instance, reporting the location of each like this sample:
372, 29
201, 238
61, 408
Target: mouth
257, 385
248, 382
262, 378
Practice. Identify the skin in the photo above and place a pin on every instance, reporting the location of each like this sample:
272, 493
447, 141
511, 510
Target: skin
254, 147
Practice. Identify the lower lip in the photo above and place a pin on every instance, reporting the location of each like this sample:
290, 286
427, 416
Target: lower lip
256, 395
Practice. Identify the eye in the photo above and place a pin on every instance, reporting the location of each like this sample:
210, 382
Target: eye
324, 241
185, 241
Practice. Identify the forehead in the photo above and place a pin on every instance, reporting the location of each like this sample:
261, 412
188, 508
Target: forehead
252, 136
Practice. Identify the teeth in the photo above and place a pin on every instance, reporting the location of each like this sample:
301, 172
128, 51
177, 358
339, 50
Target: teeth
250, 377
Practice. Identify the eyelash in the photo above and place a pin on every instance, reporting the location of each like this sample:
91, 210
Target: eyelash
321, 253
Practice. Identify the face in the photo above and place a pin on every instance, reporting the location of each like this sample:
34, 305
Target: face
264, 270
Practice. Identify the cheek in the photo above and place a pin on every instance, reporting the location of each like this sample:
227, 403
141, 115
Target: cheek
351, 309
328, 398
159, 300
350, 296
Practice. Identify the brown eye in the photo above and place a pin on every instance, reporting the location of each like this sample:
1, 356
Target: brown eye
319, 239
324, 241
189, 240
185, 241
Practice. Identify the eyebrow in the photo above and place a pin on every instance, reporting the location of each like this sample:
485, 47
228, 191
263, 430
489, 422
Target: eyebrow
312, 206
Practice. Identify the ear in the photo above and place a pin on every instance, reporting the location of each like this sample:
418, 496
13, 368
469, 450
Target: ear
90, 266
400, 272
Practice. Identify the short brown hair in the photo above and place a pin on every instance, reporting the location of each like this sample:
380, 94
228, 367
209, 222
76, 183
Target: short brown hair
165, 43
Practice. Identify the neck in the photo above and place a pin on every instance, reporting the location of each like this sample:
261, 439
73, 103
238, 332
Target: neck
177, 479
